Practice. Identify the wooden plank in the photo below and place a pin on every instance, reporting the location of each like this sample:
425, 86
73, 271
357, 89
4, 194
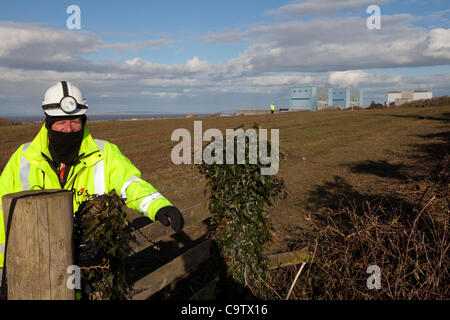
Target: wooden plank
60, 217
288, 258
22, 256
207, 292
154, 232
8, 199
193, 232
44, 252
170, 272
39, 244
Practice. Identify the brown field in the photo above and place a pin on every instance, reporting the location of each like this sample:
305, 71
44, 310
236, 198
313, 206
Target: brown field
330, 155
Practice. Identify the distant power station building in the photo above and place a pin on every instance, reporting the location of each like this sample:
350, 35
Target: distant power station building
400, 97
318, 98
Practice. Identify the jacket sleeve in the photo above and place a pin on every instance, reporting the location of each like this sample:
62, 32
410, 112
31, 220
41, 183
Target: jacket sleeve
8, 184
127, 181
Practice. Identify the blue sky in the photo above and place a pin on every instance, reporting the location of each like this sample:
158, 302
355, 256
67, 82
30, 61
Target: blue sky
210, 56
181, 21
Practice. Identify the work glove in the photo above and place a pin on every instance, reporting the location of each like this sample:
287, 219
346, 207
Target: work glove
170, 216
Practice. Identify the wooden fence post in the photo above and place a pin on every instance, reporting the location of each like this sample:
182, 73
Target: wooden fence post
39, 244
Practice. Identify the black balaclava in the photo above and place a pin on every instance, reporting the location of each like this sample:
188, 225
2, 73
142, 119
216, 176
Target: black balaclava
64, 146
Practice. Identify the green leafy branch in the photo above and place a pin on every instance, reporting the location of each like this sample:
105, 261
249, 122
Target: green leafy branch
101, 246
240, 197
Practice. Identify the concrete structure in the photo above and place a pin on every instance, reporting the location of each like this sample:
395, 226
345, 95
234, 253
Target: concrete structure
303, 98
340, 98
356, 98
319, 98
245, 112
400, 97
323, 98
313, 99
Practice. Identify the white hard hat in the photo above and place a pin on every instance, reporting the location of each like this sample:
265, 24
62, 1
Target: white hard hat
64, 99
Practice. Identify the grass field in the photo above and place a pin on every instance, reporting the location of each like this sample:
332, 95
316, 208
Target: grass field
330, 155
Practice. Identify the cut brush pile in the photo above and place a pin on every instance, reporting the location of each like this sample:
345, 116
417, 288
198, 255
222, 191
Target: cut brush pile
406, 238
101, 246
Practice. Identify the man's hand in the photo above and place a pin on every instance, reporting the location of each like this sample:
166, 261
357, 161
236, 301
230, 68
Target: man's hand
170, 216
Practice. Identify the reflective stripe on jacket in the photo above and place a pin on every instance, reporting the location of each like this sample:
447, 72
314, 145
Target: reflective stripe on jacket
102, 169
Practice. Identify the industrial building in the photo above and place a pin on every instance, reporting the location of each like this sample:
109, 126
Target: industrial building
318, 98
400, 97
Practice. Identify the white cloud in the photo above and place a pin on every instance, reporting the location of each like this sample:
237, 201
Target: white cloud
351, 78
160, 94
279, 55
439, 43
337, 44
436, 19
195, 65
360, 78
169, 95
231, 36
16, 40
135, 45
322, 7
31, 46
285, 80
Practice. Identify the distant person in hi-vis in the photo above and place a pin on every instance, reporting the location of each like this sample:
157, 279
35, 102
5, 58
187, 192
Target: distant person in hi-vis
272, 108
64, 155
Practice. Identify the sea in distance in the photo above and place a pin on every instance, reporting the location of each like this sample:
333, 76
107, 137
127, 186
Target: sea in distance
108, 116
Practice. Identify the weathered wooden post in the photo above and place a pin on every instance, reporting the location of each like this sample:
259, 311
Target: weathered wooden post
39, 244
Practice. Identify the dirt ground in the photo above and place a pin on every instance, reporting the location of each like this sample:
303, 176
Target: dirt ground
330, 155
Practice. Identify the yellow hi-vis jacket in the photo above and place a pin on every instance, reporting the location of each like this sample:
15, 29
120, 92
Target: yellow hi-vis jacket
102, 169
272, 107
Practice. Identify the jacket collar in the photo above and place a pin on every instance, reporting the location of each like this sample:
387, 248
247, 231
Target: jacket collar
88, 149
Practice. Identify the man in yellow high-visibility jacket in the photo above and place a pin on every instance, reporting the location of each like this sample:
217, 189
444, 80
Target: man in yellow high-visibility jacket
272, 108
64, 155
